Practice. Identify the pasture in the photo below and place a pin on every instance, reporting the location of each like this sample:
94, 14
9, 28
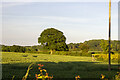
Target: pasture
60, 66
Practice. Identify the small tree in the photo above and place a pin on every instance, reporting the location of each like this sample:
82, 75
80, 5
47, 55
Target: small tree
53, 39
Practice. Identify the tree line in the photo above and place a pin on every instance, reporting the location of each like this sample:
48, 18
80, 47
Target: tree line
17, 48
91, 45
95, 45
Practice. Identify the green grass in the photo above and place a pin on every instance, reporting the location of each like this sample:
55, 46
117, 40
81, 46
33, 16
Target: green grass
12, 57
59, 66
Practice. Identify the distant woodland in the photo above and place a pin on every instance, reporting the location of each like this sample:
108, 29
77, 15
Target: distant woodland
91, 45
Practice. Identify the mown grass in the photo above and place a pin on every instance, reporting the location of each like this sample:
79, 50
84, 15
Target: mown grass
12, 57
59, 66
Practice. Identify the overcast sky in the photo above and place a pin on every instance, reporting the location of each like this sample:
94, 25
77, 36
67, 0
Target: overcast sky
79, 21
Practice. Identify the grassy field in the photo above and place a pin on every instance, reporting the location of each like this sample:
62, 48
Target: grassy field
59, 66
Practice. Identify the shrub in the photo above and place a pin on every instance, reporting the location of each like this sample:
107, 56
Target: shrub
104, 57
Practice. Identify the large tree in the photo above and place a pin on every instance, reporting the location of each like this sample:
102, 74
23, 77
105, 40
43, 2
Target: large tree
53, 39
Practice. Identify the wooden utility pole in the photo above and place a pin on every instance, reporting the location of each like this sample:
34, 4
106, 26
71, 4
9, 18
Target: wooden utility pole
109, 66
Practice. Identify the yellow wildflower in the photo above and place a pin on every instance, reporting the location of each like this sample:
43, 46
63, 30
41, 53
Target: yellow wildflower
44, 70
102, 76
38, 74
40, 70
40, 77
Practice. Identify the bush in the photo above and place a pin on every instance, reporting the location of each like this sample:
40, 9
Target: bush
104, 57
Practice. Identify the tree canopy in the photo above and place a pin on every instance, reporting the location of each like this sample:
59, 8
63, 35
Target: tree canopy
84, 47
53, 39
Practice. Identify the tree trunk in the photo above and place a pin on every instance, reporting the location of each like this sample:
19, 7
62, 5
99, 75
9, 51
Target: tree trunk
51, 51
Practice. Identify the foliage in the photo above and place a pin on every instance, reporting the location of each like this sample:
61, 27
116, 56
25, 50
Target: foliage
95, 45
5, 48
84, 48
104, 46
117, 77
115, 45
53, 39
104, 57
14, 48
17, 48
74, 46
